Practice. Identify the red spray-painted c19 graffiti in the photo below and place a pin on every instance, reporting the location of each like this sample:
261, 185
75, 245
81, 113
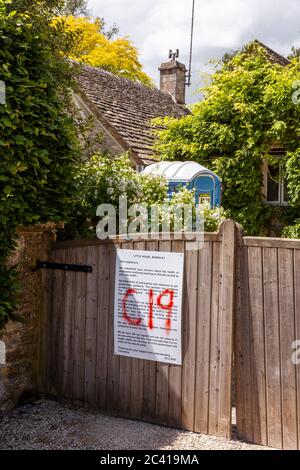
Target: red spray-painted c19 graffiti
131, 321
168, 307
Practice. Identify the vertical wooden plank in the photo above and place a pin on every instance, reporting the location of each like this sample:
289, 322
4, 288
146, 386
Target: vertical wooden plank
245, 360
272, 339
102, 327
297, 331
175, 372
125, 387
162, 371
203, 338
239, 343
136, 389
79, 330
56, 326
62, 303
226, 327
256, 317
287, 336
137, 370
113, 369
214, 344
68, 340
90, 329
149, 372
189, 338
125, 372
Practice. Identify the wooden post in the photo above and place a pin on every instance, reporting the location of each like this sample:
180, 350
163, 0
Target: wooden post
228, 232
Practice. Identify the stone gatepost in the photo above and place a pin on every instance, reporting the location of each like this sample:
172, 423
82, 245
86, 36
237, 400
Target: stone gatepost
20, 342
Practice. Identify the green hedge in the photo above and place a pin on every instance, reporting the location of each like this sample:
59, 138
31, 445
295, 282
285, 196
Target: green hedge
38, 143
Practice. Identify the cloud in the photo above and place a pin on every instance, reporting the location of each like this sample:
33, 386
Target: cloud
220, 25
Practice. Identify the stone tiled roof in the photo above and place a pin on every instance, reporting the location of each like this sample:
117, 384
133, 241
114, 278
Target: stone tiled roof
128, 107
272, 55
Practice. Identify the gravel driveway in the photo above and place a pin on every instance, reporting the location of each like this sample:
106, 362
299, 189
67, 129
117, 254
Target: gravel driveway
49, 425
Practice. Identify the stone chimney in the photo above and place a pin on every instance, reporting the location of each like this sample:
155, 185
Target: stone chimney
172, 80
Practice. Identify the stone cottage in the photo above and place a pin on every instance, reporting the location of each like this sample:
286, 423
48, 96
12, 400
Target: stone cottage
123, 109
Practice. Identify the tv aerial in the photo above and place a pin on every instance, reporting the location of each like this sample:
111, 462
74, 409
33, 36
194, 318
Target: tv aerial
189, 74
175, 55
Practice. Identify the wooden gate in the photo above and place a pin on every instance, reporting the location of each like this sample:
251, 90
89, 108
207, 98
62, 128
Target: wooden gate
255, 281
78, 362
267, 324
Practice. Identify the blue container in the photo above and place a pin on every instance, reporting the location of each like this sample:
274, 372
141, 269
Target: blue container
207, 185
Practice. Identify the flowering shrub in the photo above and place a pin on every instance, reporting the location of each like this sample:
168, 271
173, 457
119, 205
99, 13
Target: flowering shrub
212, 217
104, 180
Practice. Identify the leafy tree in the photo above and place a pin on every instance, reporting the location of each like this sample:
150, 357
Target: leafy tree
79, 8
111, 32
38, 144
294, 53
75, 8
93, 47
248, 104
43, 6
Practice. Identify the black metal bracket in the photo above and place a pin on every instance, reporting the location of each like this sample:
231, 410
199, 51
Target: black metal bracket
78, 268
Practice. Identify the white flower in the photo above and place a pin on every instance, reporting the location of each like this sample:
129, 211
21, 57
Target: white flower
122, 185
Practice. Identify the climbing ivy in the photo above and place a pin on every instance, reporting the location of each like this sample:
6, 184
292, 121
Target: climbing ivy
38, 144
248, 104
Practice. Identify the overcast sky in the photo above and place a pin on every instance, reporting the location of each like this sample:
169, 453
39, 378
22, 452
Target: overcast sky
155, 26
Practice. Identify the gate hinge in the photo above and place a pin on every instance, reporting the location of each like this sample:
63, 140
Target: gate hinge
78, 268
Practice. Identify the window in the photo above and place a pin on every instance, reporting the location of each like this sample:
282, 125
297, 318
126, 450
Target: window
276, 185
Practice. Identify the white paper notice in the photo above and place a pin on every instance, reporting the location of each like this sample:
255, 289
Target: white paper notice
148, 305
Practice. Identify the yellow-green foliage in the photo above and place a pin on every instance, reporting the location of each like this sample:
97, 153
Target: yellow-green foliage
92, 47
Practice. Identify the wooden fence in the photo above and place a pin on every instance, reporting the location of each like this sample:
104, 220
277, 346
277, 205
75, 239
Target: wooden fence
251, 283
267, 324
78, 362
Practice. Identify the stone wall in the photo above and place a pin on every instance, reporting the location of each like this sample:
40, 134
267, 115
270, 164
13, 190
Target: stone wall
19, 376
